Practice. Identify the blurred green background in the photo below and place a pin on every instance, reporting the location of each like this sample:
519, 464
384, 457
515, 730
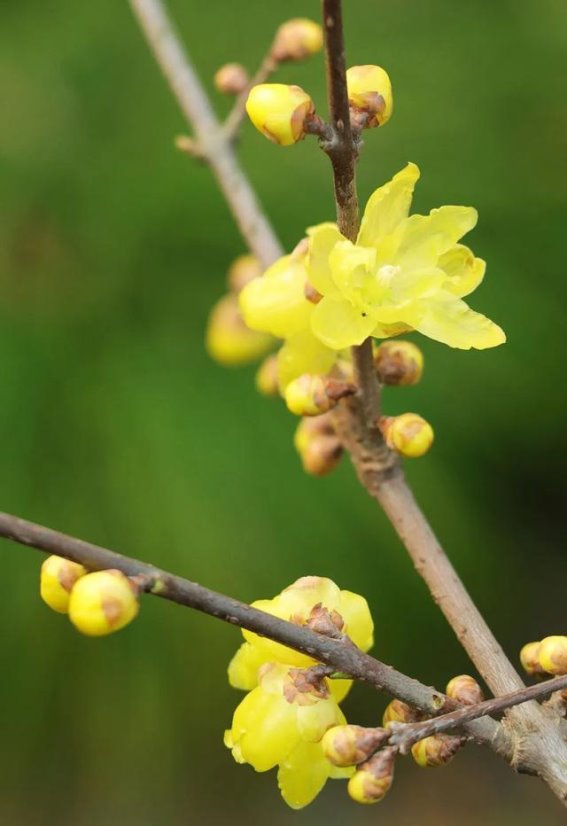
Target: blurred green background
115, 426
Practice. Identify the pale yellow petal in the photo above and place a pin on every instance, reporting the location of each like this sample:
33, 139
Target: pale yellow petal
314, 720
449, 320
388, 206
356, 614
352, 268
303, 353
426, 237
322, 239
275, 303
339, 688
338, 324
264, 729
464, 271
303, 774
243, 668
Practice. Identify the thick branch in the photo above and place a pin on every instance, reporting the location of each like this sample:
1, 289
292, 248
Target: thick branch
340, 653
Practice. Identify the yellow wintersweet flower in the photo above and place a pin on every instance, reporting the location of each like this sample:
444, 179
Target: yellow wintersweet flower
300, 603
281, 723
401, 271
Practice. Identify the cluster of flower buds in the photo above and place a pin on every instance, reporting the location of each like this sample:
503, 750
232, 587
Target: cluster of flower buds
97, 603
318, 445
228, 340
409, 434
283, 113
548, 656
350, 745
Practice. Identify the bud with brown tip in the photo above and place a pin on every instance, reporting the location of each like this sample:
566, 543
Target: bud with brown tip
529, 657
437, 750
399, 712
370, 94
350, 745
373, 780
58, 576
408, 434
231, 79
280, 111
465, 689
297, 39
311, 395
552, 655
399, 363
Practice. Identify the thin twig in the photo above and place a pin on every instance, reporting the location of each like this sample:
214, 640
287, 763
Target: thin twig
404, 735
237, 114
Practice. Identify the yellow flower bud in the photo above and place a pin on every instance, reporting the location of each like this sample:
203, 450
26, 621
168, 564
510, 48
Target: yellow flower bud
399, 363
242, 271
307, 396
318, 445
399, 712
437, 750
529, 657
465, 689
57, 578
267, 377
228, 340
552, 655
372, 781
409, 434
231, 79
279, 111
350, 745
103, 602
370, 92
297, 39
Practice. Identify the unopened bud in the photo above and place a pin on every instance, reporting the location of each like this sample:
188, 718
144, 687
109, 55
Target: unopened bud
297, 39
228, 340
242, 271
552, 655
529, 657
399, 712
319, 447
279, 111
311, 395
231, 79
351, 745
437, 750
370, 93
465, 689
267, 377
409, 434
57, 578
372, 781
102, 603
399, 363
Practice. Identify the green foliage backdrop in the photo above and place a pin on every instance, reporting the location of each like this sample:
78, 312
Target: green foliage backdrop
115, 425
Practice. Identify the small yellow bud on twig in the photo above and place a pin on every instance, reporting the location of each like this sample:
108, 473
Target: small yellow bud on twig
267, 377
529, 657
297, 39
231, 79
373, 780
465, 689
399, 363
279, 111
242, 271
57, 578
350, 745
552, 655
370, 94
318, 445
409, 434
435, 751
310, 395
102, 603
228, 340
399, 712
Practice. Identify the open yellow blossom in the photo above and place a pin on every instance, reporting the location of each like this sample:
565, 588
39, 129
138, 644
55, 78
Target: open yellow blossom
281, 723
307, 600
402, 270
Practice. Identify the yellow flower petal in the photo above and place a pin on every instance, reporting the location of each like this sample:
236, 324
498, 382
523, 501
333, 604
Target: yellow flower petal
359, 625
464, 271
322, 239
275, 303
426, 237
388, 206
303, 774
449, 320
338, 324
352, 268
264, 729
314, 720
303, 353
339, 688
243, 668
